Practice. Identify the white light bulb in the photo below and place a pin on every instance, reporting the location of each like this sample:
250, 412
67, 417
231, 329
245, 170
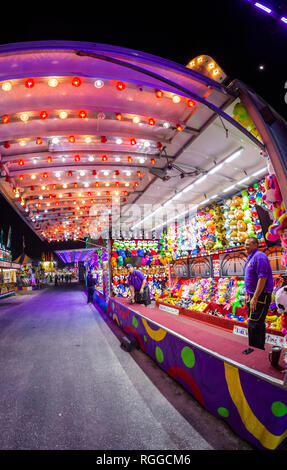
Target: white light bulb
6, 86
176, 99
99, 83
55, 140
91, 158
24, 117
119, 141
63, 115
53, 82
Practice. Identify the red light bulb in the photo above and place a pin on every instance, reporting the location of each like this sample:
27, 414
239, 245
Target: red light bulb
152, 161
151, 121
104, 158
130, 159
120, 86
133, 141
82, 114
39, 141
191, 103
179, 128
72, 139
21, 162
77, 158
76, 81
103, 139
158, 93
45, 175
70, 173
29, 83
119, 117
5, 119
49, 159
7, 144
76, 185
43, 114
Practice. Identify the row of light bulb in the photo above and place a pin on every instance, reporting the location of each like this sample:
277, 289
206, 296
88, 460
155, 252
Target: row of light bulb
91, 159
88, 140
52, 82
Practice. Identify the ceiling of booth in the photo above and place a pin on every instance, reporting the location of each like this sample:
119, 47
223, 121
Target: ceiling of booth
77, 131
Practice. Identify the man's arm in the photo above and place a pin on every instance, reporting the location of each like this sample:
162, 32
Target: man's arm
142, 286
259, 289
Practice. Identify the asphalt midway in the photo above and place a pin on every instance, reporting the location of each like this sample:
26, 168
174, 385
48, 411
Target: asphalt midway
67, 385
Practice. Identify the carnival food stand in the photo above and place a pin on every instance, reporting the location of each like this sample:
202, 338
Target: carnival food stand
181, 158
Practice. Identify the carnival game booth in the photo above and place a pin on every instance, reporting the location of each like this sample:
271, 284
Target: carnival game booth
88, 129
27, 275
97, 263
8, 273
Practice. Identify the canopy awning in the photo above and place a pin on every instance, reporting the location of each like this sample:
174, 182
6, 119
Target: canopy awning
84, 126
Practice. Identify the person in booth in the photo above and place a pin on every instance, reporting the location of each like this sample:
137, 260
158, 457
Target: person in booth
138, 286
259, 285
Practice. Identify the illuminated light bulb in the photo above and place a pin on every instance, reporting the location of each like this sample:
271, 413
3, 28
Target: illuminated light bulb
88, 140
130, 160
77, 158
41, 197
65, 186
33, 177
151, 121
176, 99
43, 114
136, 120
72, 139
82, 173
6, 86
127, 184
133, 141
128, 173
39, 141
45, 175
43, 187
53, 82
82, 114
215, 72
21, 162
76, 81
21, 177
98, 193
60, 195
86, 185
91, 158
104, 158
179, 128
166, 125
119, 117
70, 173
22, 143
76, 185
63, 114
55, 140
191, 103
117, 184
29, 83
152, 161
63, 159
120, 86
5, 119
139, 174
98, 83
117, 159
24, 117
54, 186
119, 141
136, 184
49, 159
146, 143
94, 172
107, 184
158, 93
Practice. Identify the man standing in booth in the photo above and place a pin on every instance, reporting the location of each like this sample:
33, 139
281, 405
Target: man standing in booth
138, 286
259, 286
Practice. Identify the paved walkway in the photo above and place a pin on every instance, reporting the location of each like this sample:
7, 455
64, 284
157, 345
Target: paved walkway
66, 384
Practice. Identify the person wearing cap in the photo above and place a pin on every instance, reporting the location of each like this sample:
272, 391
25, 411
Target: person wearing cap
259, 285
138, 286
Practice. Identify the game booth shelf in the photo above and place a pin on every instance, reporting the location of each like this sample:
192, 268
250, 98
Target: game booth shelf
89, 132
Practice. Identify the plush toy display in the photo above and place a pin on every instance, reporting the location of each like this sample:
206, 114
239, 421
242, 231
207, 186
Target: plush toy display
241, 115
281, 303
273, 199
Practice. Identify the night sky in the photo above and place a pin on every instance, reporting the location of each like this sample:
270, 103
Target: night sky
235, 34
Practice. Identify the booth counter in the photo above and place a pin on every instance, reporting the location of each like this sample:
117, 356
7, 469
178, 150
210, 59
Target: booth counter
210, 364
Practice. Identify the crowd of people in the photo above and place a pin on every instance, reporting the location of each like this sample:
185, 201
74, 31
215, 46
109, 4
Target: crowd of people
59, 278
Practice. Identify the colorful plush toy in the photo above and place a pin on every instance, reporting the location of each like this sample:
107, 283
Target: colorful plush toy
281, 303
